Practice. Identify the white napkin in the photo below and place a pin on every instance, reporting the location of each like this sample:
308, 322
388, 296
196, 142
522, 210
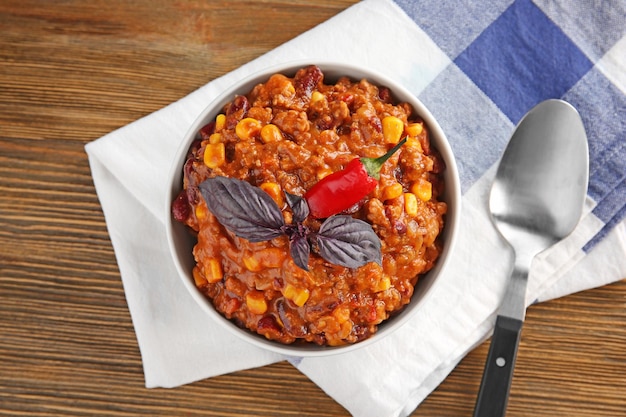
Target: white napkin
180, 344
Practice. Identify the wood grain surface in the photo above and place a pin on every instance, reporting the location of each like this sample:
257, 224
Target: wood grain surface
72, 71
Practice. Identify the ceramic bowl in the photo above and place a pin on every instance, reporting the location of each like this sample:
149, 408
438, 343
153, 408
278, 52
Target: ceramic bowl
181, 241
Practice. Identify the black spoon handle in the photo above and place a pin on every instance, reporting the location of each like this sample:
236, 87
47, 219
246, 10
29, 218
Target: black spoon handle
494, 387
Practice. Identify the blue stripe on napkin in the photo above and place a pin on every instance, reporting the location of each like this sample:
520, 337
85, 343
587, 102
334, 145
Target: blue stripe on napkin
605, 230
453, 24
521, 59
594, 26
602, 107
476, 129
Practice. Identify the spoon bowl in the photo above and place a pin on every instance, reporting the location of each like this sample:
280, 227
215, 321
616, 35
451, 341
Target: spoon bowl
536, 200
541, 182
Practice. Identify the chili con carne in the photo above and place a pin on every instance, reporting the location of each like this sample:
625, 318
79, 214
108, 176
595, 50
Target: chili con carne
317, 127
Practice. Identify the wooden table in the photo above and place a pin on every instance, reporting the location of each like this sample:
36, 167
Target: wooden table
73, 71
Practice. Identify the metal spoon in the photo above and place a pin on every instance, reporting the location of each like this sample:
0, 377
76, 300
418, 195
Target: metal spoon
536, 200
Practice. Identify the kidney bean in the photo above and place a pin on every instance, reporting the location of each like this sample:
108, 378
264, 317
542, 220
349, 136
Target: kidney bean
192, 186
180, 207
398, 174
236, 111
193, 149
384, 94
291, 320
323, 123
324, 308
268, 325
230, 151
207, 130
320, 339
306, 80
400, 227
347, 98
343, 130
188, 168
193, 195
361, 332
277, 284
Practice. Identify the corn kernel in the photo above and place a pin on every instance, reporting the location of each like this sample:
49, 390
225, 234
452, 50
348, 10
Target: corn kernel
317, 96
415, 143
383, 284
201, 212
324, 172
422, 189
247, 128
392, 191
299, 296
271, 133
252, 263
264, 258
392, 129
215, 138
214, 155
213, 270
341, 314
289, 291
414, 129
220, 122
198, 278
271, 257
275, 191
410, 204
345, 330
256, 302
289, 90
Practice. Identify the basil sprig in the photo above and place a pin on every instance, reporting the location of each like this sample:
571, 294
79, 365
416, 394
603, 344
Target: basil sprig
250, 213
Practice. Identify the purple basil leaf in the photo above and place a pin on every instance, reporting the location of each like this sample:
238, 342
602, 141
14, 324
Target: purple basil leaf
244, 209
349, 242
299, 207
300, 251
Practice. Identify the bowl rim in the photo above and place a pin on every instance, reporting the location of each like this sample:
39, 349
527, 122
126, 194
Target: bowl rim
332, 70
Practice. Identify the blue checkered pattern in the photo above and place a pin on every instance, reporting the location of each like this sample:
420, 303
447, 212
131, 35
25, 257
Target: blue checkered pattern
507, 56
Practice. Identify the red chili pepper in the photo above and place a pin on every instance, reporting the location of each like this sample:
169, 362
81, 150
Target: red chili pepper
342, 189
